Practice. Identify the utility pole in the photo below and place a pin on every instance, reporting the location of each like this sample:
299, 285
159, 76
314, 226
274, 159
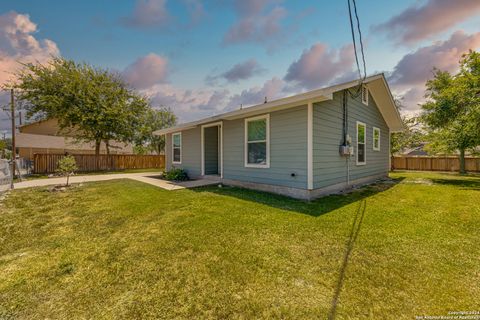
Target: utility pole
14, 153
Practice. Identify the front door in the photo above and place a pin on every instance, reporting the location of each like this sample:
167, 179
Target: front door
211, 150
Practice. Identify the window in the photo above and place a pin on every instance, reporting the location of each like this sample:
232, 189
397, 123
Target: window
376, 139
361, 138
257, 142
365, 95
177, 148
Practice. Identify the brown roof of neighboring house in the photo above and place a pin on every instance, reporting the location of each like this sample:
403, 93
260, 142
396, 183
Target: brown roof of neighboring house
27, 140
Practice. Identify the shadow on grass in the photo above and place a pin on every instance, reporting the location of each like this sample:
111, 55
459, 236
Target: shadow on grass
354, 231
463, 183
313, 208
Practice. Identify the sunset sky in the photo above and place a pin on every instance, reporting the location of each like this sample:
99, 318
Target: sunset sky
203, 57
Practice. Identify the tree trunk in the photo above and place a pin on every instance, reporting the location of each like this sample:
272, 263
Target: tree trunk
107, 147
68, 176
97, 152
97, 147
462, 161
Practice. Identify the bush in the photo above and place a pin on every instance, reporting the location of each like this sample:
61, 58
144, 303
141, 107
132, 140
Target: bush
176, 174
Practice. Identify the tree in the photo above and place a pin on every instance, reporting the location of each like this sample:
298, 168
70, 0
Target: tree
92, 104
155, 119
67, 166
411, 137
452, 109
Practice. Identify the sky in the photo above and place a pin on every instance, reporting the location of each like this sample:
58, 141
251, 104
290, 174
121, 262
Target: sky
205, 57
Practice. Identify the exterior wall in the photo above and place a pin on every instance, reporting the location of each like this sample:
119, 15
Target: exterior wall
288, 150
191, 156
329, 168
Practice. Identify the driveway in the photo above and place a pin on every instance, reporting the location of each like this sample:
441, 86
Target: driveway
146, 177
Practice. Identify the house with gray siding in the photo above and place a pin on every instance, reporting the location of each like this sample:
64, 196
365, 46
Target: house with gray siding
303, 146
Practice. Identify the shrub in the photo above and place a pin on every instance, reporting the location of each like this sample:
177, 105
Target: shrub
176, 174
67, 166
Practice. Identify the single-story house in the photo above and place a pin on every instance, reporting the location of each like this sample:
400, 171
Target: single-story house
303, 146
45, 137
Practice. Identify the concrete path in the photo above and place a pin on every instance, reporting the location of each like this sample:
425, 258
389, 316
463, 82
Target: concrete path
146, 177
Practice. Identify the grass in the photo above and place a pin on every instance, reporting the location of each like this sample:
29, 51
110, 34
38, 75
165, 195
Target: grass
123, 249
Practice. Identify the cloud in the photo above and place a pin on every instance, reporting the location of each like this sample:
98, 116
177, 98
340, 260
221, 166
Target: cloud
148, 14
319, 66
241, 71
18, 44
146, 71
258, 22
414, 69
272, 89
191, 105
421, 22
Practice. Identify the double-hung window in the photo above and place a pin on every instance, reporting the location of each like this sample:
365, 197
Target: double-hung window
361, 141
376, 139
257, 142
177, 148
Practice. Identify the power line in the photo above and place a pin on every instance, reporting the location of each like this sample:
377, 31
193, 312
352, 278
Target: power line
352, 29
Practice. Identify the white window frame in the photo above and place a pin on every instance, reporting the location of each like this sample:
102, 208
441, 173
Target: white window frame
364, 143
364, 101
267, 141
373, 138
173, 147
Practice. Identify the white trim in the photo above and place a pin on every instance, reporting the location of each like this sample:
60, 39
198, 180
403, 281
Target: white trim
310, 146
364, 101
202, 143
373, 138
267, 141
181, 148
364, 143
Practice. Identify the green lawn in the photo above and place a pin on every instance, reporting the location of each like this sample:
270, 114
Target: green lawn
123, 249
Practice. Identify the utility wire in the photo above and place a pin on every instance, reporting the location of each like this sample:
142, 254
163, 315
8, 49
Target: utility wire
360, 77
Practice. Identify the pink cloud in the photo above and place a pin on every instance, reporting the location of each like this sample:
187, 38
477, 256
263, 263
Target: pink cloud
414, 69
18, 44
420, 22
146, 71
258, 22
148, 14
319, 66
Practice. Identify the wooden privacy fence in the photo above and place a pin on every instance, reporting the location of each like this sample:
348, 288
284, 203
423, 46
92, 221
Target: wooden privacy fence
47, 163
434, 163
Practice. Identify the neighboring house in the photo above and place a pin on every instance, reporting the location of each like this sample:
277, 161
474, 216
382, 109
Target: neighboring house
45, 137
292, 146
416, 151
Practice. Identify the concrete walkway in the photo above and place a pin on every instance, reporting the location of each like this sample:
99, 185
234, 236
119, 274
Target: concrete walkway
146, 177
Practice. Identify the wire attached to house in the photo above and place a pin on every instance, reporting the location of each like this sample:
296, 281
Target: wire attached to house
352, 29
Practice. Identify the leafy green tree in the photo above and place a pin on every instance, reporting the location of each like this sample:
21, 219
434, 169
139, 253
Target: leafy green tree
452, 110
155, 119
91, 104
67, 166
411, 137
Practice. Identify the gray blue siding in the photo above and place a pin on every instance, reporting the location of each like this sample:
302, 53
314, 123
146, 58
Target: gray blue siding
190, 152
288, 150
329, 167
